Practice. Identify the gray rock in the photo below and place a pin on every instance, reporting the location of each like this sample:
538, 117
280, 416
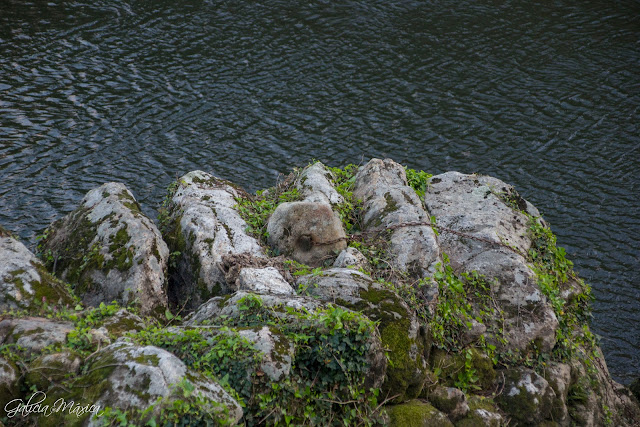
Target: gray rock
129, 376
24, 282
33, 333
559, 377
451, 401
471, 205
9, 383
303, 230
527, 397
276, 348
266, 280
122, 322
53, 367
399, 329
352, 258
314, 185
217, 308
388, 202
110, 251
592, 390
416, 414
204, 226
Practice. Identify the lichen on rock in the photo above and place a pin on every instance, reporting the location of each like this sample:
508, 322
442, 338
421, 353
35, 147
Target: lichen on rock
108, 250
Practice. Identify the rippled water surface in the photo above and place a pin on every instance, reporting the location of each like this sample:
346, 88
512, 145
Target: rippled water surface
544, 95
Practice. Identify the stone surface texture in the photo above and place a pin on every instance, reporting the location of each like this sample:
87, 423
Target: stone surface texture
206, 227
473, 205
388, 202
109, 250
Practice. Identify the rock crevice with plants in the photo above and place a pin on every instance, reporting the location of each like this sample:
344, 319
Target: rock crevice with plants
364, 295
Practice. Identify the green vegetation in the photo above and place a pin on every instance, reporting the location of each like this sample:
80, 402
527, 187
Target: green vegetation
418, 180
256, 210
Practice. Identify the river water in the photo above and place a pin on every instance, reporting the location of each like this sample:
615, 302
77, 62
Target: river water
543, 95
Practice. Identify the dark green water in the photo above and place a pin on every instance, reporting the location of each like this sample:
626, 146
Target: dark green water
544, 95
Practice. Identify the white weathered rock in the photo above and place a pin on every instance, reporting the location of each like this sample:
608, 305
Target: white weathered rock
266, 280
276, 349
206, 226
314, 185
128, 375
109, 250
24, 282
471, 205
351, 257
33, 333
406, 374
388, 202
302, 231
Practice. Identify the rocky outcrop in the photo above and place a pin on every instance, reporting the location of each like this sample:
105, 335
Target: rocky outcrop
109, 250
201, 227
490, 236
481, 323
390, 202
24, 282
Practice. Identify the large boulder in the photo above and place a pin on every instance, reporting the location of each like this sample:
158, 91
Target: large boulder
483, 229
201, 227
145, 381
109, 250
25, 284
389, 202
400, 332
309, 231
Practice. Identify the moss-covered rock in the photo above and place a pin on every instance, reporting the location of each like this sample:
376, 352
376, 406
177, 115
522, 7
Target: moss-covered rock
108, 250
451, 364
416, 413
144, 382
9, 383
451, 401
527, 397
400, 333
32, 334
24, 282
482, 412
52, 369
